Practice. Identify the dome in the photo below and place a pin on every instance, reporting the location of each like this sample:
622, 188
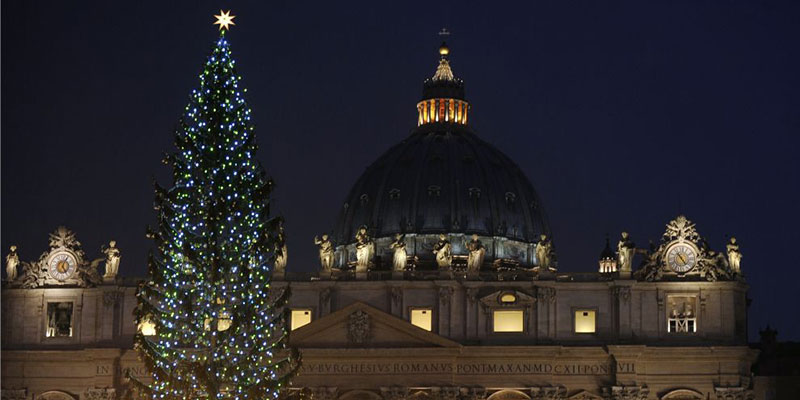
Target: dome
442, 180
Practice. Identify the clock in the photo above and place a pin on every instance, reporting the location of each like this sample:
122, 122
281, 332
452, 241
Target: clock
62, 265
681, 257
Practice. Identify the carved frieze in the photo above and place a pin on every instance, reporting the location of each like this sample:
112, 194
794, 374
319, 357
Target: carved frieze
100, 394
473, 393
323, 393
548, 393
626, 392
394, 392
733, 393
445, 294
623, 293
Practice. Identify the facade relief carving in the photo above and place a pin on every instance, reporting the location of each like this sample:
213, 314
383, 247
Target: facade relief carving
394, 393
323, 393
548, 393
683, 253
359, 327
623, 293
733, 393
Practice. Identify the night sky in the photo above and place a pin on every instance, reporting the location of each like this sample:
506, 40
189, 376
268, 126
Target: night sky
622, 115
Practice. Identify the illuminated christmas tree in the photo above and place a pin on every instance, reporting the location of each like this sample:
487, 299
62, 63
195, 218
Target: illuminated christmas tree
212, 325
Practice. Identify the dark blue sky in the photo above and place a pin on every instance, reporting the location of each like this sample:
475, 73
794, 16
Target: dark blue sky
622, 114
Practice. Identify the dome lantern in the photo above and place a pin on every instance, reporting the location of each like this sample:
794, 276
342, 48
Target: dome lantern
608, 259
443, 95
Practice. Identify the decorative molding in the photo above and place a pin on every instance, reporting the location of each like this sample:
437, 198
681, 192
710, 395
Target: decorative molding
473, 393
323, 392
445, 393
585, 395
359, 327
623, 293
734, 393
548, 393
445, 293
546, 294
396, 294
99, 394
14, 394
626, 392
111, 298
394, 392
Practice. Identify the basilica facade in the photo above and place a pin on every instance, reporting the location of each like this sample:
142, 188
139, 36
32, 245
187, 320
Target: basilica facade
438, 281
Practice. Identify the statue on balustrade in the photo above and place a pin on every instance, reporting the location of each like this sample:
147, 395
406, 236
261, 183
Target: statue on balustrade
441, 249
112, 260
12, 260
625, 251
325, 252
544, 252
400, 254
734, 255
364, 249
476, 254
281, 250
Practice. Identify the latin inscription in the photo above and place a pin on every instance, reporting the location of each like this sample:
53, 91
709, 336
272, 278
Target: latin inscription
106, 370
466, 368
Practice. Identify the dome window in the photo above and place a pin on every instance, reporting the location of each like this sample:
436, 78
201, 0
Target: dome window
364, 199
394, 193
511, 198
474, 193
434, 191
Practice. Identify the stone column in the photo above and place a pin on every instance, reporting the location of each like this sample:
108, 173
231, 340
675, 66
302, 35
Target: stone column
622, 302
445, 298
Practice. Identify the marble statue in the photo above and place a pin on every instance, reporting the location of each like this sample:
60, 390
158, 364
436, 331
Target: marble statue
112, 260
544, 251
734, 255
476, 254
400, 254
325, 252
12, 260
282, 251
364, 249
442, 251
625, 251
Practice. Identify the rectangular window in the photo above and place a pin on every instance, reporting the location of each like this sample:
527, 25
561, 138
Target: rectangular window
300, 317
59, 319
681, 317
585, 321
508, 321
422, 317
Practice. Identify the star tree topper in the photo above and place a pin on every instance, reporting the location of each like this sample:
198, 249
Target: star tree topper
224, 19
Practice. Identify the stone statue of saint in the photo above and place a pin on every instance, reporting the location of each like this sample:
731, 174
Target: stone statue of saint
364, 249
112, 260
442, 251
625, 251
400, 254
476, 253
281, 250
325, 252
734, 255
12, 260
544, 252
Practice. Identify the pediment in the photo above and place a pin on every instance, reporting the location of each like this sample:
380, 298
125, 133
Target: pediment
362, 326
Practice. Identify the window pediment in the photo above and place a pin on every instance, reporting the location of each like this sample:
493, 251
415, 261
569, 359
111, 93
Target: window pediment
502, 298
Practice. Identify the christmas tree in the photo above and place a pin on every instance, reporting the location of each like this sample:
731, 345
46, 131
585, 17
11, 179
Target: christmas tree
215, 328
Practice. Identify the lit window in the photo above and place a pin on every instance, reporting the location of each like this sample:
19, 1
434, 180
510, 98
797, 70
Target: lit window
508, 321
224, 321
421, 317
147, 327
681, 317
300, 318
508, 298
584, 321
59, 319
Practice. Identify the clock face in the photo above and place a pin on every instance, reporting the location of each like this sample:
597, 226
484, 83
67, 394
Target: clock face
62, 266
681, 257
